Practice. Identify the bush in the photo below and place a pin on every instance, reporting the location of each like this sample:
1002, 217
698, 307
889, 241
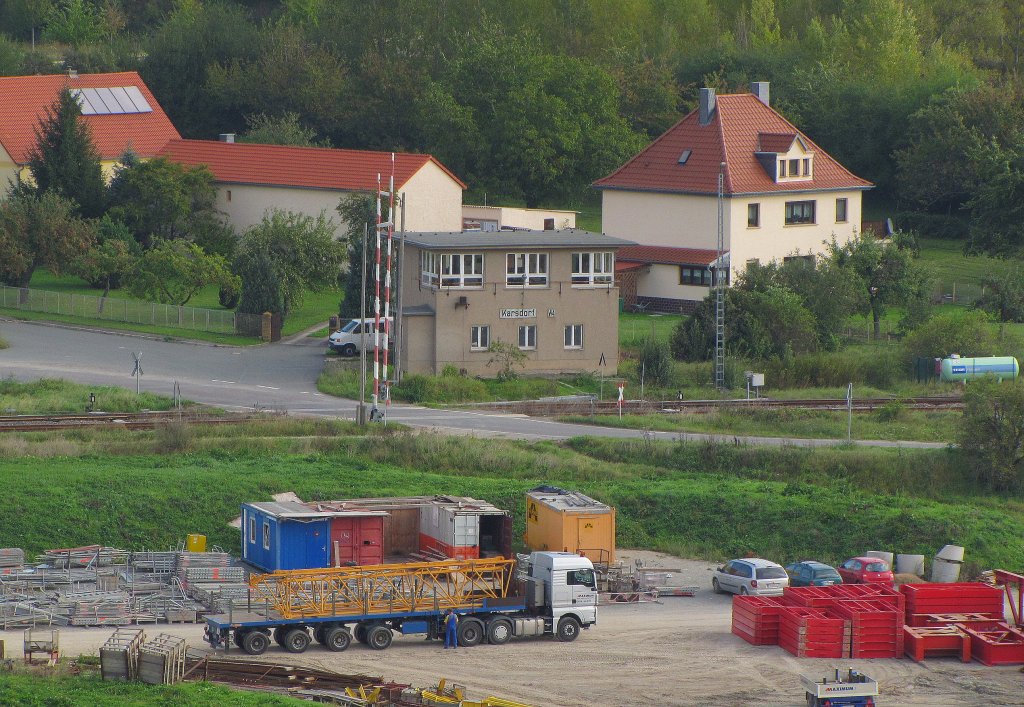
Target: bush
960, 331
655, 362
879, 367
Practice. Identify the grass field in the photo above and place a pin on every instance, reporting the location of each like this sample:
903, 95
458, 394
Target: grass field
315, 309
891, 423
150, 489
29, 690
48, 395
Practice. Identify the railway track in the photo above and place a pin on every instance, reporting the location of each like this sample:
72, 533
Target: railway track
586, 406
112, 420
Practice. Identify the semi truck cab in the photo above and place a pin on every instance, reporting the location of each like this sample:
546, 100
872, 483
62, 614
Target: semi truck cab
562, 586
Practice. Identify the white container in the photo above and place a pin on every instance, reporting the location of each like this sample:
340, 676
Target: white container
886, 556
910, 564
953, 553
945, 571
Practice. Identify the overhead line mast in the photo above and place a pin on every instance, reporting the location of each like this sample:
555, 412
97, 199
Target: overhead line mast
385, 230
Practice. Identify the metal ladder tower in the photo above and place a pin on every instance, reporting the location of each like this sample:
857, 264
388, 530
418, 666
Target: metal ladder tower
720, 279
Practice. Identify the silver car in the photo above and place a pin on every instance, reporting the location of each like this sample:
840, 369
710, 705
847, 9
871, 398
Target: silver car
750, 576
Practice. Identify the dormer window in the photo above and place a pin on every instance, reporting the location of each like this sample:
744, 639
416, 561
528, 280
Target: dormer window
785, 156
782, 168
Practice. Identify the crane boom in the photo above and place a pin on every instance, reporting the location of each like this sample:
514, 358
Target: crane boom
406, 587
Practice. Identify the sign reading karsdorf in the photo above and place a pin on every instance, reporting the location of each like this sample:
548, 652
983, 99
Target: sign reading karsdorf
517, 313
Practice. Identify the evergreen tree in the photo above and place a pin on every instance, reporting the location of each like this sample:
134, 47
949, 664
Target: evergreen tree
357, 211
64, 160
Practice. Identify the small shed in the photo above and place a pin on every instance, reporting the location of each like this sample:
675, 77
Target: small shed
569, 521
290, 535
456, 526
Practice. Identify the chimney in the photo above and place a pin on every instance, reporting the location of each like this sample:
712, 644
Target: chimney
707, 105
227, 137
760, 91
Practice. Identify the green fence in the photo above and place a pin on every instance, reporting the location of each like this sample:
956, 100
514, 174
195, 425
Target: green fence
219, 321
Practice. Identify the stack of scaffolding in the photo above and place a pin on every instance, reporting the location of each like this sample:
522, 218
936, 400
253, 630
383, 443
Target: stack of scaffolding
119, 656
162, 660
103, 586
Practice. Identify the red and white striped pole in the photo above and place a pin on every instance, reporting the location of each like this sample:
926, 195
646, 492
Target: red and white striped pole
376, 307
390, 223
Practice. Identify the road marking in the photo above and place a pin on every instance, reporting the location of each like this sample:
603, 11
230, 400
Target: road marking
268, 387
305, 392
214, 380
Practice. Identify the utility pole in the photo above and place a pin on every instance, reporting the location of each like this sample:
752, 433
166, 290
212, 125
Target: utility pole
400, 301
719, 284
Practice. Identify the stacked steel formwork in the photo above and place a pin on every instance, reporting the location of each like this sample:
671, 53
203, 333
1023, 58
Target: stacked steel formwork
963, 619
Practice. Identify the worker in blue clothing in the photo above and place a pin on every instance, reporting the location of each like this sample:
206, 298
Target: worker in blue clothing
451, 628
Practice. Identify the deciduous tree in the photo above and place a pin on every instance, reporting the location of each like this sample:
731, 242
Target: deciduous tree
288, 253
173, 271
111, 258
992, 432
39, 230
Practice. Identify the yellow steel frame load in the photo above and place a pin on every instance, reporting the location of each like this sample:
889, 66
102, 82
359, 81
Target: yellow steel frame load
384, 589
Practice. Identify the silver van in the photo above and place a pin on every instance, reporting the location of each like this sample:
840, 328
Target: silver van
346, 340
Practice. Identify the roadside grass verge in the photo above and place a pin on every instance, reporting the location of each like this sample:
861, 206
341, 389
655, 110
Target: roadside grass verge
891, 422
706, 500
52, 395
22, 688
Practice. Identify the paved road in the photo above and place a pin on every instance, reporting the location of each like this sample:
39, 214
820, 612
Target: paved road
280, 376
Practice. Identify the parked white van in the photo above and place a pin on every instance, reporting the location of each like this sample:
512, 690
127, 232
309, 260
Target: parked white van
347, 339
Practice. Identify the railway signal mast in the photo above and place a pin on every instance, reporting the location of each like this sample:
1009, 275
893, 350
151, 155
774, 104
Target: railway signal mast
720, 279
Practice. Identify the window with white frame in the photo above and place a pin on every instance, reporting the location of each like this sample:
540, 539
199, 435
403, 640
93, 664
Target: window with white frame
266, 535
593, 268
528, 336
480, 338
753, 215
798, 212
695, 275
428, 268
252, 529
574, 336
462, 270
526, 270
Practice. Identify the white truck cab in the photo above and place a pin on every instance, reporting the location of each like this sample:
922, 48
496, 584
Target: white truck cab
563, 587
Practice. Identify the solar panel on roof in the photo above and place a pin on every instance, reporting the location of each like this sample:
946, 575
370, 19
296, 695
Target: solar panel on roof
116, 100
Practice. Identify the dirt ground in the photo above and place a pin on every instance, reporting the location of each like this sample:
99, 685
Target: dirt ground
676, 652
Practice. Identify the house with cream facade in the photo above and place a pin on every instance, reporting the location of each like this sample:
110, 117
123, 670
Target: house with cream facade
550, 294
782, 196
117, 108
253, 178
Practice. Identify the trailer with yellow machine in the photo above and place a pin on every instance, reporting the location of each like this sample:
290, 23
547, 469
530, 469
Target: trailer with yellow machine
548, 593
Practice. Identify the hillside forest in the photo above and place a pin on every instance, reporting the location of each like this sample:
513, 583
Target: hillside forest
530, 101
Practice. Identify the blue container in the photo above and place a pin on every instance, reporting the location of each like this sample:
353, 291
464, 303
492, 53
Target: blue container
285, 536
964, 369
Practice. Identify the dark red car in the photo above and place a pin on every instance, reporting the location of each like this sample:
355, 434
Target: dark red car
866, 570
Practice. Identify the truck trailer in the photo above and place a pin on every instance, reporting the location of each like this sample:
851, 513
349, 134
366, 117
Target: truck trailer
548, 593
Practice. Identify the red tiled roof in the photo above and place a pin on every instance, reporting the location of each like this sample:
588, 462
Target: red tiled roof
665, 255
732, 136
775, 142
309, 167
24, 100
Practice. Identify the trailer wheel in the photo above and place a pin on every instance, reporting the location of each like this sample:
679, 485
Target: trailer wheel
379, 637
296, 640
471, 632
337, 639
361, 633
568, 629
279, 633
499, 632
237, 638
255, 642
318, 633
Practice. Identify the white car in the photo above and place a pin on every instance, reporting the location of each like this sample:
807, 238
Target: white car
750, 576
346, 340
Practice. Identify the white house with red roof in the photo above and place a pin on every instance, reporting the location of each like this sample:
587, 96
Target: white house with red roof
252, 178
783, 196
118, 109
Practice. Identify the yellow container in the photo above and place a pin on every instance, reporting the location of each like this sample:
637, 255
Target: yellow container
196, 543
568, 521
